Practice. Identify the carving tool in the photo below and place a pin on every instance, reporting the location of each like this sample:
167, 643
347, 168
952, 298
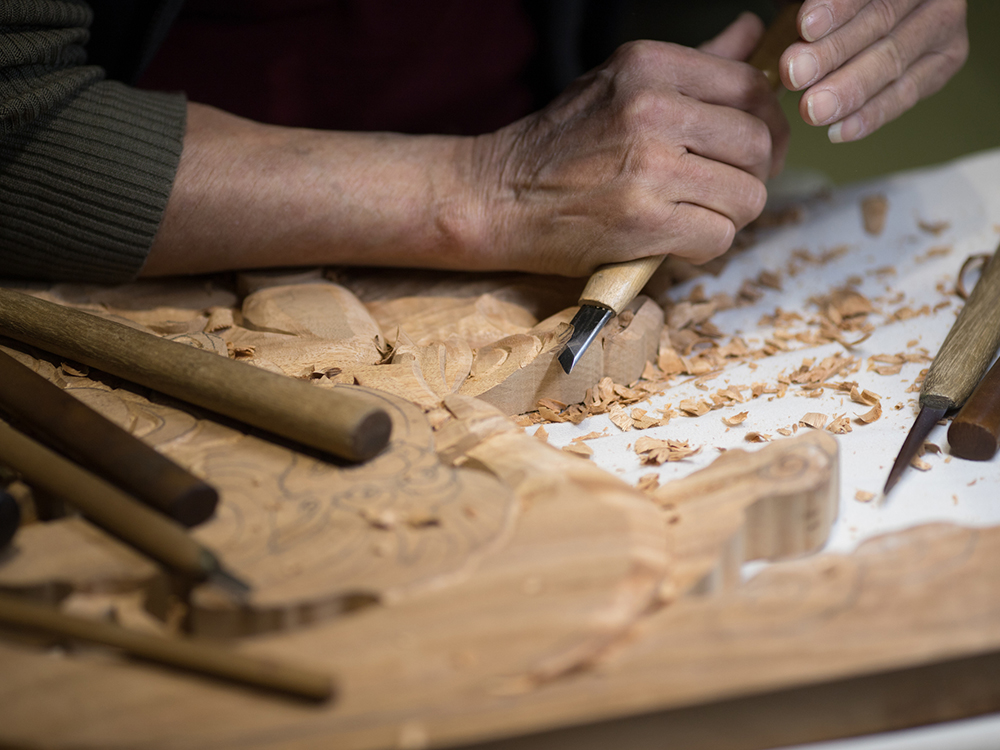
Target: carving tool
214, 660
975, 432
51, 415
342, 421
150, 532
613, 286
959, 364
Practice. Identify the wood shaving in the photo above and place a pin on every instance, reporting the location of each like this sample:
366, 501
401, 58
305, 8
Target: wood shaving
814, 419
920, 464
973, 260
219, 318
620, 418
840, 425
579, 449
694, 408
654, 451
384, 518
864, 397
757, 437
938, 251
648, 482
934, 227
590, 436
863, 496
874, 209
736, 419
786, 431
240, 352
872, 415
769, 279
541, 434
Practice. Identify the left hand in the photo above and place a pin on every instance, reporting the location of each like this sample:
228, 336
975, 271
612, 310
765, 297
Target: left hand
865, 62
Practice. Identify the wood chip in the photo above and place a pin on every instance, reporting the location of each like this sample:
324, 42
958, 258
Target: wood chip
621, 419
872, 415
590, 436
694, 407
814, 419
541, 434
934, 227
757, 437
840, 425
920, 464
655, 451
736, 419
863, 496
579, 449
874, 209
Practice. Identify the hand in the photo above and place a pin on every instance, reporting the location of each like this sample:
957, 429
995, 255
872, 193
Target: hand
663, 149
865, 62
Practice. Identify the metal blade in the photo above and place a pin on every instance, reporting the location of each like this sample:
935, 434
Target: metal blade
587, 323
926, 419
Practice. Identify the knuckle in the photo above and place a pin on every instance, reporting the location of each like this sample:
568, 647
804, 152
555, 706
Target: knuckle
642, 108
637, 54
894, 57
885, 16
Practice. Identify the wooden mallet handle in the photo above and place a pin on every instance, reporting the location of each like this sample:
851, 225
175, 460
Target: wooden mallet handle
342, 421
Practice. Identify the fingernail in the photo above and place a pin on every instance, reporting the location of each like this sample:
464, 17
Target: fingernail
817, 24
822, 107
802, 69
848, 129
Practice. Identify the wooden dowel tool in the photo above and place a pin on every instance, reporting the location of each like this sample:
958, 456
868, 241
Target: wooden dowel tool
215, 661
150, 532
975, 432
49, 414
340, 421
615, 285
958, 366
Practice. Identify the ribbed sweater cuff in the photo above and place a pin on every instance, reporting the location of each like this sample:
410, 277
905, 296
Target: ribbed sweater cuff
83, 190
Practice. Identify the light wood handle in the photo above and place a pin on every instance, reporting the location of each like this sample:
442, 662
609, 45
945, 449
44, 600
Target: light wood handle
214, 660
341, 421
969, 346
616, 284
975, 432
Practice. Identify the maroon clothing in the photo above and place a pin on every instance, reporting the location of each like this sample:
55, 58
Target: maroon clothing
415, 66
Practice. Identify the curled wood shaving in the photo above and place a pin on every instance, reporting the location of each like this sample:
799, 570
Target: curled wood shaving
757, 437
934, 227
219, 318
655, 451
864, 397
871, 415
973, 260
694, 407
840, 425
736, 419
813, 419
920, 464
874, 209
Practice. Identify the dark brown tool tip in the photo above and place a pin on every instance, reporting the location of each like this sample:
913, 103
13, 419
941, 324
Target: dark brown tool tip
371, 435
587, 323
195, 505
922, 426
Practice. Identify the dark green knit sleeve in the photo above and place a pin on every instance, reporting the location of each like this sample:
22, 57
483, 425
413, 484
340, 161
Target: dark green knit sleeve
86, 164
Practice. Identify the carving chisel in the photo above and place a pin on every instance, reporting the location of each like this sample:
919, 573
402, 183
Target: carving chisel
614, 286
959, 365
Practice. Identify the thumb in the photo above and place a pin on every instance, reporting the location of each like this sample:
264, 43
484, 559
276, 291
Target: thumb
738, 40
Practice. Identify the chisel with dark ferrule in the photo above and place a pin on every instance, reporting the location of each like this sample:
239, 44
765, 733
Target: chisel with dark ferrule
959, 365
614, 286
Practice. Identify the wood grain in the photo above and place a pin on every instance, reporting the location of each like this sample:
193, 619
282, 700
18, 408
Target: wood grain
969, 347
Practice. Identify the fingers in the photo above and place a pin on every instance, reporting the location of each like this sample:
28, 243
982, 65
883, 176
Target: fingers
738, 40
877, 59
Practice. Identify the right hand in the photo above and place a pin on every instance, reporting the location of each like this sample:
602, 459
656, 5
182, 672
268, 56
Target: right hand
662, 150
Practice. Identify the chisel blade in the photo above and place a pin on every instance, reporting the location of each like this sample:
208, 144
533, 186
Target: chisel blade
587, 323
926, 419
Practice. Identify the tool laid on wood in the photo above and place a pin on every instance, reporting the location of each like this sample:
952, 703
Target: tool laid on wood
212, 660
614, 286
143, 528
45, 411
974, 433
10, 518
340, 421
959, 365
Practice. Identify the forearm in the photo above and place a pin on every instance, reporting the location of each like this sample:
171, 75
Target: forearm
248, 195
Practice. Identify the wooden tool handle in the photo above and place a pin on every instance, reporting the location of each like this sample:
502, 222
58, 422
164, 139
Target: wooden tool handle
341, 421
53, 416
141, 527
215, 661
616, 284
975, 432
969, 346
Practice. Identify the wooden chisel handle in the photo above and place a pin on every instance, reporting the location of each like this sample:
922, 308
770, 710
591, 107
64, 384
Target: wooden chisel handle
341, 421
969, 346
975, 432
615, 285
